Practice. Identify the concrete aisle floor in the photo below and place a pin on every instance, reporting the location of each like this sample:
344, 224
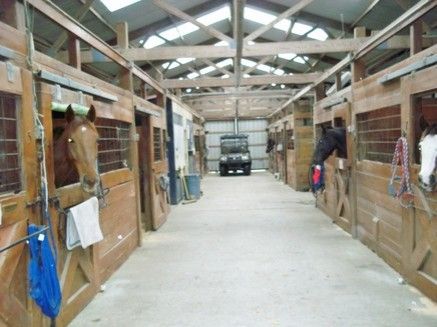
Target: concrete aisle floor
252, 252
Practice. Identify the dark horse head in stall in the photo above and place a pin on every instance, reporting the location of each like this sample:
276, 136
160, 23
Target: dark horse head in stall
331, 139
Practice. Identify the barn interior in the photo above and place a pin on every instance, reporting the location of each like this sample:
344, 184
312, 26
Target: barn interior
187, 232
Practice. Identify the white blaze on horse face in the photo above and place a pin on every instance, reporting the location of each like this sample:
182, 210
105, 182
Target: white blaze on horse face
428, 158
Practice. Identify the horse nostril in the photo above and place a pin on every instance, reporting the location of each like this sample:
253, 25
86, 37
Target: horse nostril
89, 181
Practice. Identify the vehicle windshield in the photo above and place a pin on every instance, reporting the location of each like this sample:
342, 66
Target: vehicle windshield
234, 146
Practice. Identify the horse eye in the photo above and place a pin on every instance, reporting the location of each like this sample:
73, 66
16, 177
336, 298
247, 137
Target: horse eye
70, 140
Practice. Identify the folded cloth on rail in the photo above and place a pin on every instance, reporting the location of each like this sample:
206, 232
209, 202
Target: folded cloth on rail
83, 226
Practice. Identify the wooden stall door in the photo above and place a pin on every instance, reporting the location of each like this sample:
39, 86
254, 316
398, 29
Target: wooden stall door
419, 230
342, 173
144, 162
18, 187
159, 169
76, 269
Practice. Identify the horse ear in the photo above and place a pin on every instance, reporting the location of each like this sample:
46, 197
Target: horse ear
69, 114
423, 123
323, 130
91, 115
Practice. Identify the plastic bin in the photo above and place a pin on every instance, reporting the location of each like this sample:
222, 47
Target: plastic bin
193, 185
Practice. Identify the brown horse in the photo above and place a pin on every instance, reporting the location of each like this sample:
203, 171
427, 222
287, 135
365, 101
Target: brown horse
76, 151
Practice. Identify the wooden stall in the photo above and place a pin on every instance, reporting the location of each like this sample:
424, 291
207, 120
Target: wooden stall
56, 84
384, 110
200, 146
336, 199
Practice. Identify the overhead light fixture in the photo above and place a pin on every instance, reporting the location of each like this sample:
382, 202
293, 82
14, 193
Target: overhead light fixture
282, 86
188, 90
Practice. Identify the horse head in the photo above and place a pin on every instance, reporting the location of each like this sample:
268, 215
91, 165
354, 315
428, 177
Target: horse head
332, 139
428, 156
80, 137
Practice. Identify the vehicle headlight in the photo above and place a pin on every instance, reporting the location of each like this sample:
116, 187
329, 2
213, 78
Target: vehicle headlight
245, 157
223, 158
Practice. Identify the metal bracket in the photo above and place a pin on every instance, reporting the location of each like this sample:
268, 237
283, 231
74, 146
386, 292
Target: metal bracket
57, 92
81, 98
10, 71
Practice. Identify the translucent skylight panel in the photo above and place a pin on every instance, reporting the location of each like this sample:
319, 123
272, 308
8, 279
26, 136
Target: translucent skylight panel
224, 63
318, 34
178, 31
287, 56
299, 60
225, 76
221, 44
251, 42
283, 25
215, 16
258, 16
246, 75
207, 70
174, 64
300, 29
184, 60
192, 75
114, 5
248, 63
165, 65
153, 42
278, 72
264, 68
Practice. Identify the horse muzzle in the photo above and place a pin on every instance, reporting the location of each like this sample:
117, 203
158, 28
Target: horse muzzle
89, 185
428, 187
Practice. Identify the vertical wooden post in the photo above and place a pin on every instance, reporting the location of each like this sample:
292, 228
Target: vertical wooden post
320, 92
416, 31
13, 13
284, 148
358, 73
358, 67
74, 59
338, 81
126, 82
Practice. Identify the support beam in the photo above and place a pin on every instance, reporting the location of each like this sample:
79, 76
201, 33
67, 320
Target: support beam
289, 12
416, 32
365, 13
255, 50
228, 82
74, 52
237, 16
180, 14
80, 14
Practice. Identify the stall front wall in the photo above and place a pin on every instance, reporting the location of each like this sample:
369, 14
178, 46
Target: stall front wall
405, 238
18, 189
199, 146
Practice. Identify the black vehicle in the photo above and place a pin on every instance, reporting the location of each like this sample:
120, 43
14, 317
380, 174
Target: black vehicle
235, 154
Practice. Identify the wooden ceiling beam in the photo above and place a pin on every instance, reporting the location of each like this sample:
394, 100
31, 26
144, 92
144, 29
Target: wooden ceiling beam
287, 13
180, 14
228, 82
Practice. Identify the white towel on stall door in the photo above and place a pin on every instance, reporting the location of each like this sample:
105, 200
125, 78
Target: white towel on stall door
83, 226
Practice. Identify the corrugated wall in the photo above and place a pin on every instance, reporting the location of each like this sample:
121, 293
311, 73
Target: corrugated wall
255, 128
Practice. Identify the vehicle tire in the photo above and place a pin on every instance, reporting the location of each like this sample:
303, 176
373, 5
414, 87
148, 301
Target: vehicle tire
223, 171
246, 170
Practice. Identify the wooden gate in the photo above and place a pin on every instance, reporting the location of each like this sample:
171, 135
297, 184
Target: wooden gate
419, 230
343, 173
157, 135
18, 190
336, 200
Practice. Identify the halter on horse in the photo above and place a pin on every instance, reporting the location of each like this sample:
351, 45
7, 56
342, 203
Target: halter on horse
332, 139
76, 151
428, 153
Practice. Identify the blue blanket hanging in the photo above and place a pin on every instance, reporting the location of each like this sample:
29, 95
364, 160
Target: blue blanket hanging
43, 278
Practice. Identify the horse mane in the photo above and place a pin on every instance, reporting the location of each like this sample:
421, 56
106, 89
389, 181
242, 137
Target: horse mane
430, 130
